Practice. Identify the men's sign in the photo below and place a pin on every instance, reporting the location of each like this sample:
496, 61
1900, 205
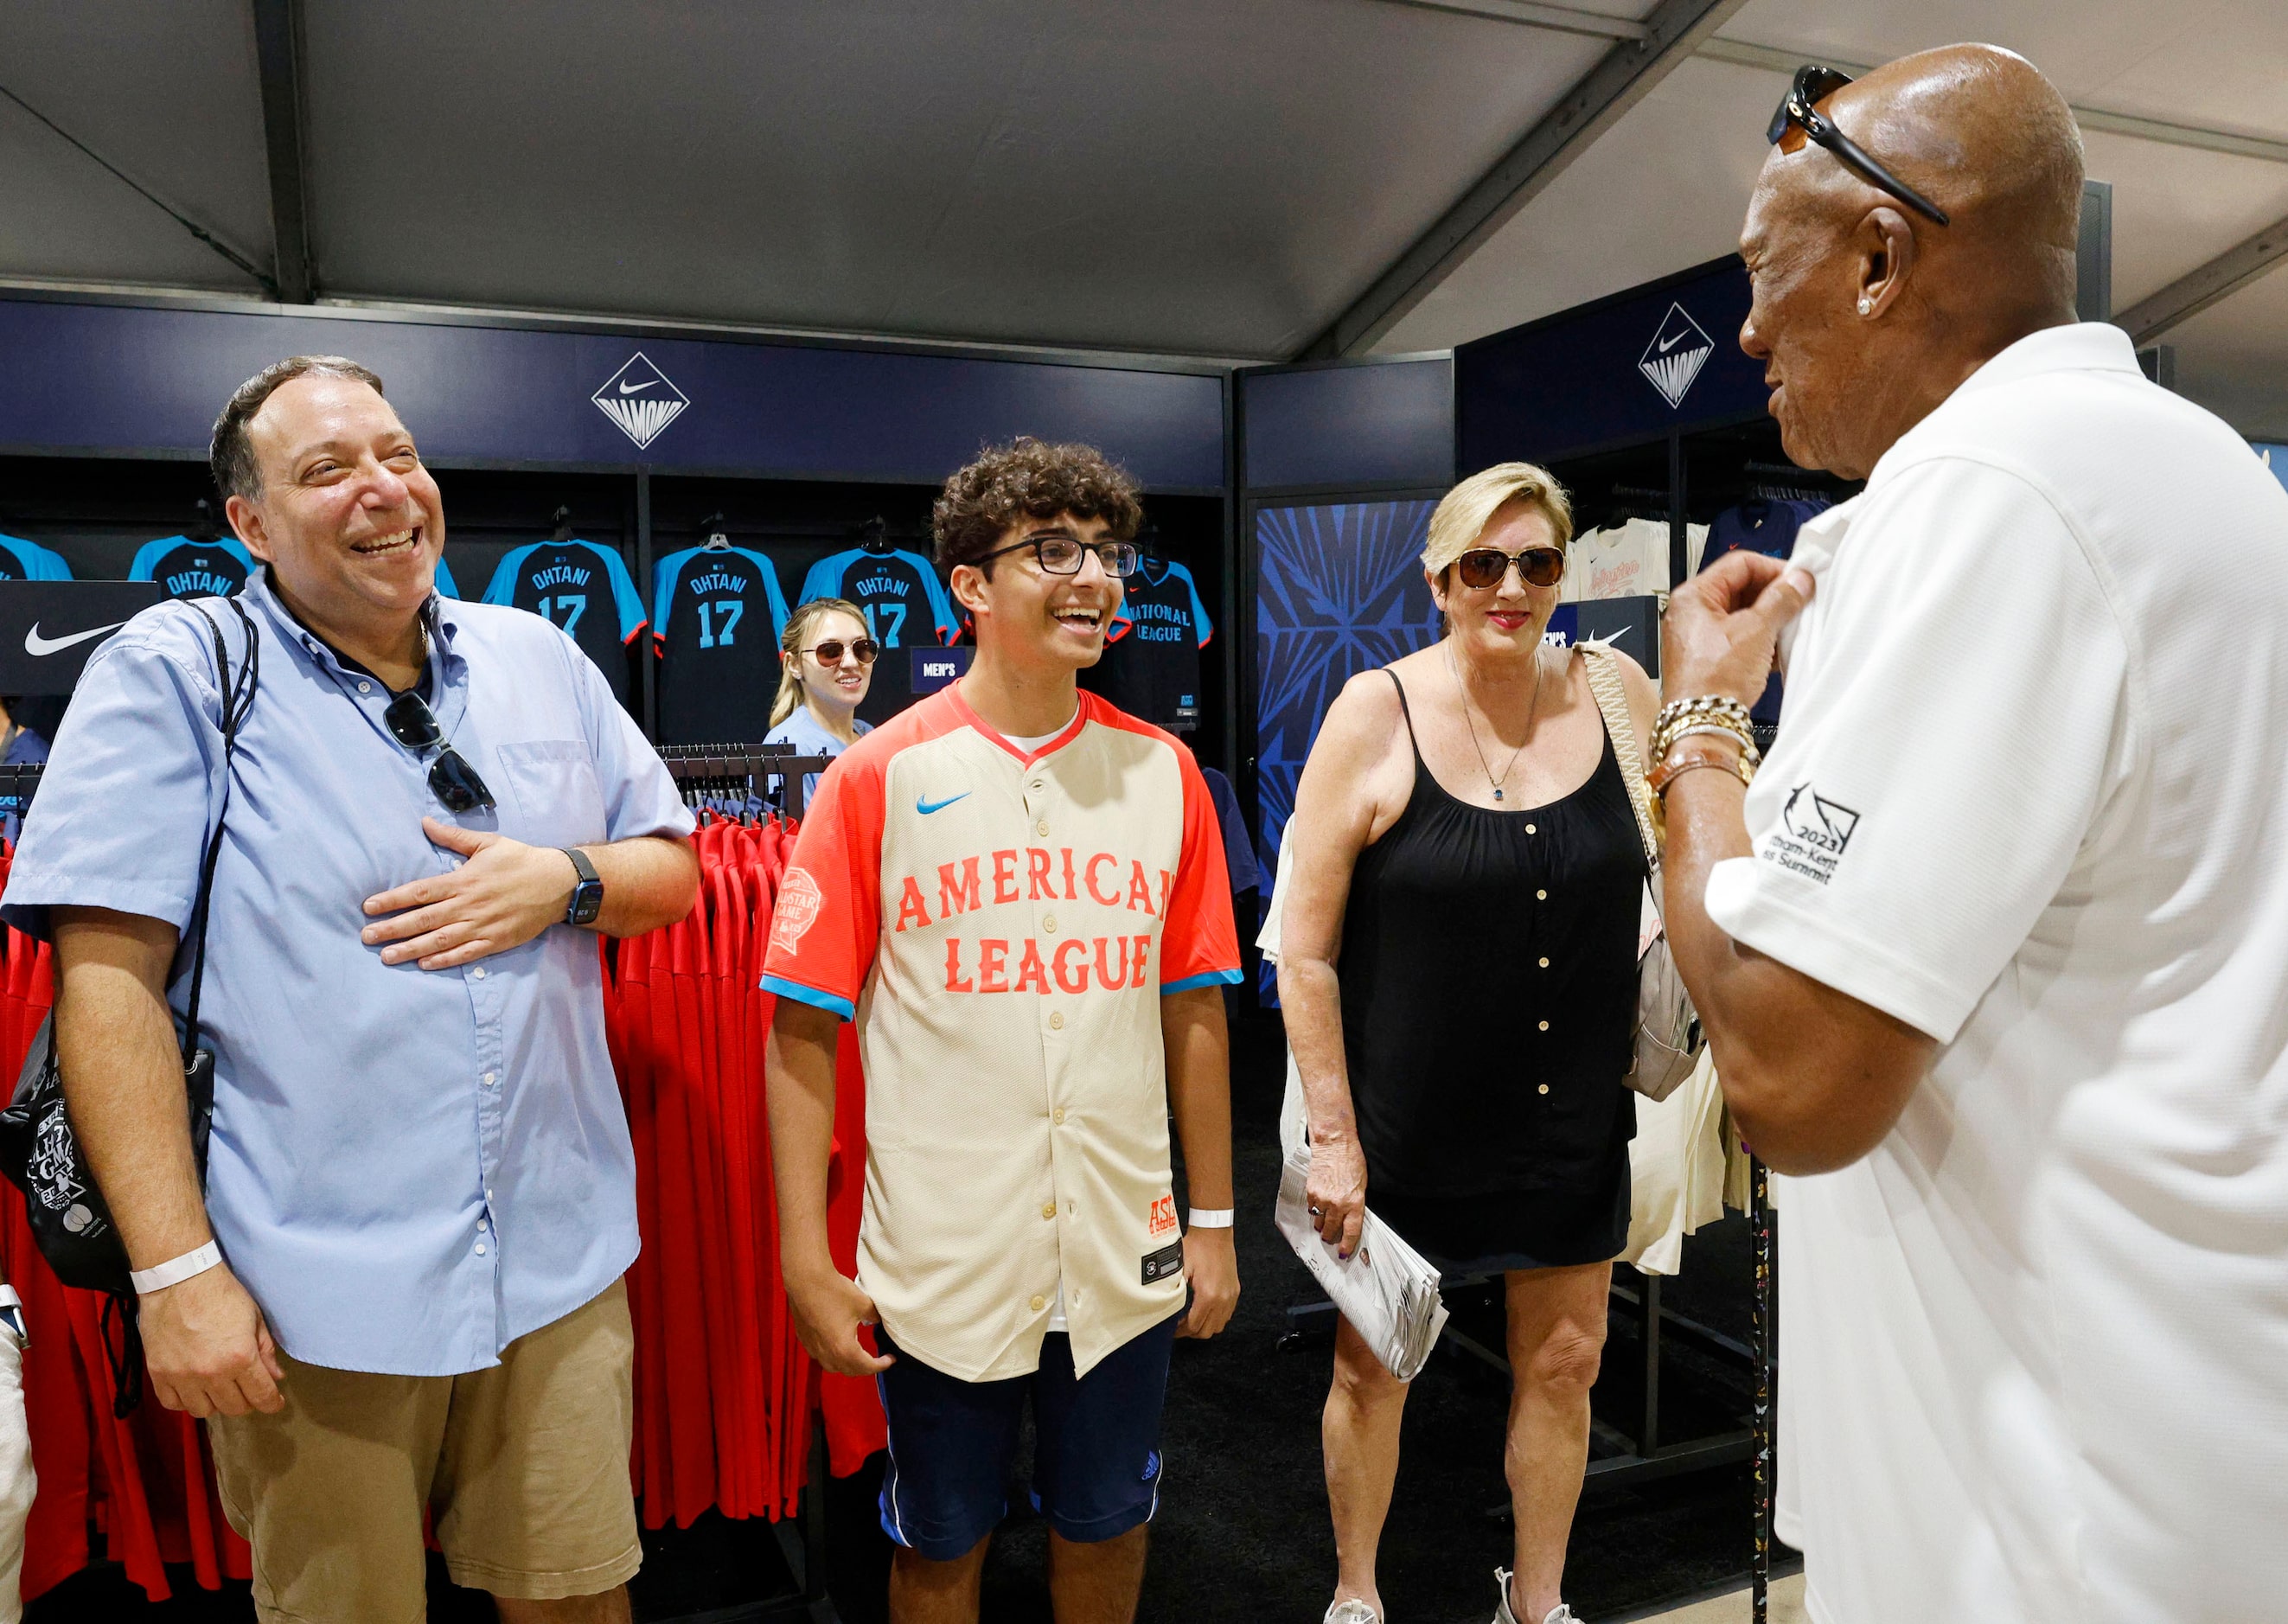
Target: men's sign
49, 628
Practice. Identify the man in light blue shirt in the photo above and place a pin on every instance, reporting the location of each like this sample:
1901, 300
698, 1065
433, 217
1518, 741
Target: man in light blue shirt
420, 1173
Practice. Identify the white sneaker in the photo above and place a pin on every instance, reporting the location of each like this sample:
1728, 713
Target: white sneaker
1559, 1614
1351, 1611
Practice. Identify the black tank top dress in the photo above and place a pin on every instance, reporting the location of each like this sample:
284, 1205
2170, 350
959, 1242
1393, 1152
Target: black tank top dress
1489, 979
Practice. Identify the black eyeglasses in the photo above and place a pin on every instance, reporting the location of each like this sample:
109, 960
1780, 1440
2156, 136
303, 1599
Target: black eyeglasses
1800, 119
414, 724
830, 653
1484, 567
1061, 554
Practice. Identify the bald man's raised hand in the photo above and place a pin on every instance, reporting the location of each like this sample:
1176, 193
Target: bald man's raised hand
1723, 626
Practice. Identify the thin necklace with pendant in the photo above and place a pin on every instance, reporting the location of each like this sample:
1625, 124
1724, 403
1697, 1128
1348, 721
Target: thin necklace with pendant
1532, 710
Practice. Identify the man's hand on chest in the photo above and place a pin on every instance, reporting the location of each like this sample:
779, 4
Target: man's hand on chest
503, 895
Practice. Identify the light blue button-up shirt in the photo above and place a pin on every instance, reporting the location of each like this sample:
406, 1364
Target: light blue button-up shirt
409, 1168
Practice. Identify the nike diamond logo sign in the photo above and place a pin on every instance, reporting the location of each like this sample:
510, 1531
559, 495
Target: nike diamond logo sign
37, 646
926, 806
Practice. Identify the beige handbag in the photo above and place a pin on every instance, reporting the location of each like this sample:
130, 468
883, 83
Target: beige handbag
1668, 1039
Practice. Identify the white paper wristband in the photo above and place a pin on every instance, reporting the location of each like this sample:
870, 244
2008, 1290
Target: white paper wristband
175, 1270
1210, 1218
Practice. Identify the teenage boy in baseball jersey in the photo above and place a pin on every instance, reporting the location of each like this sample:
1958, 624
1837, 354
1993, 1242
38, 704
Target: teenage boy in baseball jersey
1018, 894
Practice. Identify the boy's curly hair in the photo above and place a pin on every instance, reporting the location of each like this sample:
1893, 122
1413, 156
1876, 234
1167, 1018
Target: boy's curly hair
1026, 479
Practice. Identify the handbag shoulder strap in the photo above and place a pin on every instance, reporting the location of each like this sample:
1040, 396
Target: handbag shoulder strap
1613, 702
237, 698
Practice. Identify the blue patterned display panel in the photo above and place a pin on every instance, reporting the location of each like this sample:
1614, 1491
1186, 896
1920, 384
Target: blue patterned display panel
1339, 589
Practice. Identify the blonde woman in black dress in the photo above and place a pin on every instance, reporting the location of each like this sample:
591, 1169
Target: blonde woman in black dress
1459, 974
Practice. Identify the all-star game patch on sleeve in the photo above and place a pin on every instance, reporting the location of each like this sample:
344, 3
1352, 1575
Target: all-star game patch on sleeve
829, 917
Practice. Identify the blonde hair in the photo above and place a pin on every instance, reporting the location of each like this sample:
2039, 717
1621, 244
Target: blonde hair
1464, 513
797, 627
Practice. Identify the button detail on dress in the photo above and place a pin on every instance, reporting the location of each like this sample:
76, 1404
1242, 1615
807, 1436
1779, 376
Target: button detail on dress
1060, 1118
1528, 829
1545, 1026
1049, 923
1038, 1303
1048, 1209
1541, 897
1544, 1087
1544, 964
1056, 1021
1042, 828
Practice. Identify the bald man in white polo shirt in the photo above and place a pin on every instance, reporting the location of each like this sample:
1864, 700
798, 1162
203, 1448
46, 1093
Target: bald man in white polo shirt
1992, 952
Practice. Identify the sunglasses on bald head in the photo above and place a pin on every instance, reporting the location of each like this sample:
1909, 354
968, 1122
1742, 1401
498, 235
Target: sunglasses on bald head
1484, 567
1800, 120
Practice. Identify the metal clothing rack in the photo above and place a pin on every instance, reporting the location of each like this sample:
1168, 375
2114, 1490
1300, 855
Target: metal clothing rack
17, 786
736, 767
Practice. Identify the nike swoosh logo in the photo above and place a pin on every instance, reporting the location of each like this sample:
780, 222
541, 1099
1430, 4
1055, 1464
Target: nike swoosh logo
1671, 344
36, 645
926, 806
632, 388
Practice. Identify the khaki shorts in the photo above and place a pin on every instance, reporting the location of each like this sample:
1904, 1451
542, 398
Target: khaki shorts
525, 1466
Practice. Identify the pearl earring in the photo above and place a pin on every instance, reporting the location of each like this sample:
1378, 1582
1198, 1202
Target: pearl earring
1866, 306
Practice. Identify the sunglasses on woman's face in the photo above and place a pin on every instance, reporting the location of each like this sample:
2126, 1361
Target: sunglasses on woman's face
830, 653
1484, 567
414, 724
1800, 120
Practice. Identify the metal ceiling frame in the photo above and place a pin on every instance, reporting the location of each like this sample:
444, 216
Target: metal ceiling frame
1622, 79
2195, 291
278, 60
1779, 60
1531, 14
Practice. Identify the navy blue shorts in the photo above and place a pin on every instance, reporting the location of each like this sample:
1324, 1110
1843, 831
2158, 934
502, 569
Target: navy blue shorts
1096, 1462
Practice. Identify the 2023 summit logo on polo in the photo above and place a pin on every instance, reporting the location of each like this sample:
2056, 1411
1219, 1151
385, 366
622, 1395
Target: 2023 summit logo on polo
642, 400
1678, 351
1812, 834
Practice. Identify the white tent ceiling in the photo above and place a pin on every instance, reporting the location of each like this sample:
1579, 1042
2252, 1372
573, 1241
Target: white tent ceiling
1173, 176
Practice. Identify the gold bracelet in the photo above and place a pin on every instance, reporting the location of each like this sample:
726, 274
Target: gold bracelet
1674, 768
1719, 710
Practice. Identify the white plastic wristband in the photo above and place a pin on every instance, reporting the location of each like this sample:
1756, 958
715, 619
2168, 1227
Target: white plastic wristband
175, 1270
1210, 1218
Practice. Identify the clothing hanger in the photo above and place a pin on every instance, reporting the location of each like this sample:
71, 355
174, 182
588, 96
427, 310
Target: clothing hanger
1147, 543
563, 522
874, 535
204, 527
718, 539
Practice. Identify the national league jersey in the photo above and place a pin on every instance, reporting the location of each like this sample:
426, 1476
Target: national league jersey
187, 568
28, 560
584, 590
1151, 664
716, 618
899, 593
1002, 927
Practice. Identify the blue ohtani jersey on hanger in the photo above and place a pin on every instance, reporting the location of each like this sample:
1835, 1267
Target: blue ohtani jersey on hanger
584, 589
187, 568
898, 592
28, 560
716, 614
1151, 664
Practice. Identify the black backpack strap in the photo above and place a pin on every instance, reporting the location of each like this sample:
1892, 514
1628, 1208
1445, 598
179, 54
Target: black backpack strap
237, 699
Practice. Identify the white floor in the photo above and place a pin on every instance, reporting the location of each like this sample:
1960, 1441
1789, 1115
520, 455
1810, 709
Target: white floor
1786, 1607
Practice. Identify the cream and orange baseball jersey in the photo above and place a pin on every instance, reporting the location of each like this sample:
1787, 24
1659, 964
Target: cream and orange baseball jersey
1002, 927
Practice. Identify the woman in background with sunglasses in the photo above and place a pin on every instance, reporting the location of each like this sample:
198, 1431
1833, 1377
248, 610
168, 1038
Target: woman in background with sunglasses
826, 661
1458, 972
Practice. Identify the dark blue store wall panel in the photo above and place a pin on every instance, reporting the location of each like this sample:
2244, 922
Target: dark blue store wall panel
1386, 423
1339, 589
1629, 368
117, 378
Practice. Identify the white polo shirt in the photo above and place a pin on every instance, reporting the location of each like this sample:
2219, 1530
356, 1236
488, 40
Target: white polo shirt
2029, 798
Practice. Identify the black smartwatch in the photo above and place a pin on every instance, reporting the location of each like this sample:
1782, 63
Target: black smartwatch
588, 895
